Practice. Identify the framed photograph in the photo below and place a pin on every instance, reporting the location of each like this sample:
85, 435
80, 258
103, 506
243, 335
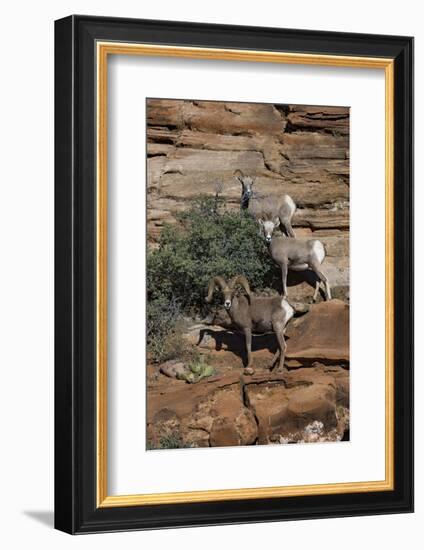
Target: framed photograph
233, 265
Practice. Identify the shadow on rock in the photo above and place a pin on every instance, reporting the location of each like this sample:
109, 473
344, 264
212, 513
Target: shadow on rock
235, 342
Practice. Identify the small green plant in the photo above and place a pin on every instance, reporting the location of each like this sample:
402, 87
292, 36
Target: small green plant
165, 346
197, 370
165, 329
171, 441
162, 315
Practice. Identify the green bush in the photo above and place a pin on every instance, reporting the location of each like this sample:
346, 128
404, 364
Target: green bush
165, 330
211, 241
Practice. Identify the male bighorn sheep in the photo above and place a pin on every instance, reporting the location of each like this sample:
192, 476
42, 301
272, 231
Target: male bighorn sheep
296, 255
284, 205
250, 313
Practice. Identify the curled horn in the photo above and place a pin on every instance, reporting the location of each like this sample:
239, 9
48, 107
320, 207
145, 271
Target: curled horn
241, 280
212, 284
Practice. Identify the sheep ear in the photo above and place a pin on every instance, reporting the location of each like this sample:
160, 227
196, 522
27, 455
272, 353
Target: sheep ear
277, 222
213, 285
260, 221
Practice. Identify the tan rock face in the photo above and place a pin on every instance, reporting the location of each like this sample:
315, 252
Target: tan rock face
321, 335
193, 147
308, 403
193, 143
302, 116
210, 413
233, 409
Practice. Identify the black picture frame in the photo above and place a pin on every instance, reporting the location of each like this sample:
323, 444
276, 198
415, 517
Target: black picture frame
76, 510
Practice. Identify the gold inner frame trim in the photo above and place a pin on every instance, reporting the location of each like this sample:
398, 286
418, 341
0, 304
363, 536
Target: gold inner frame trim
103, 49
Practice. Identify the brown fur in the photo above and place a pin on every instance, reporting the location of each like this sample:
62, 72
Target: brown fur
250, 313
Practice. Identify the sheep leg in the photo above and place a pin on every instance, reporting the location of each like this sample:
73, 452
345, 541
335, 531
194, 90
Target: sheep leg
324, 279
274, 359
279, 332
314, 299
248, 338
289, 229
284, 278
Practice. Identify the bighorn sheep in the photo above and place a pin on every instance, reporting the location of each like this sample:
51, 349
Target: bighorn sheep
254, 313
284, 206
296, 255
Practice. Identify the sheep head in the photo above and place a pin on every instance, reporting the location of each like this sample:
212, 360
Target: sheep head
269, 223
247, 183
228, 289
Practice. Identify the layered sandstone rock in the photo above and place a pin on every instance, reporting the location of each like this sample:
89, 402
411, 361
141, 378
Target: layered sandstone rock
210, 413
194, 148
305, 404
321, 335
